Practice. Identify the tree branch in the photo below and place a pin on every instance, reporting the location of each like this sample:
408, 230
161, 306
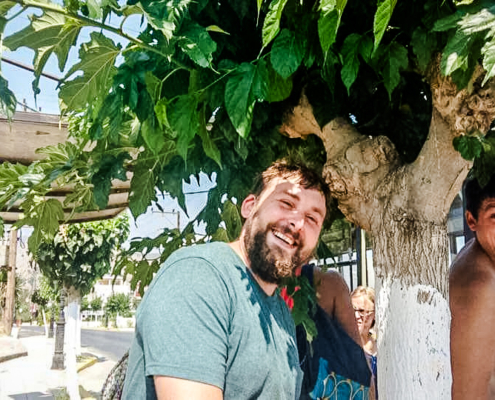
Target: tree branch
90, 22
439, 169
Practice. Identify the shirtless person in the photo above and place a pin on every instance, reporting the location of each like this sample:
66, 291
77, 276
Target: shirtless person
472, 300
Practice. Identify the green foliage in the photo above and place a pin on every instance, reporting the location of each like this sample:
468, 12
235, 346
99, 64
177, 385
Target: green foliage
204, 85
80, 254
118, 303
96, 304
484, 164
7, 99
382, 19
470, 147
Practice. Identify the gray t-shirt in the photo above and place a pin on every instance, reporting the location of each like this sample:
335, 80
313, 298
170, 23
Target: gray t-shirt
205, 318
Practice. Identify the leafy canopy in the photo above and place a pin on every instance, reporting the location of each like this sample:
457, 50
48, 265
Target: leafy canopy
203, 87
80, 254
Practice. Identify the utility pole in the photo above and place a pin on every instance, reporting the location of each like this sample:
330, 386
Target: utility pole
8, 312
173, 212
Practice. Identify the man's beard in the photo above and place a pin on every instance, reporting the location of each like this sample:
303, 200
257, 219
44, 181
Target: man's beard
271, 265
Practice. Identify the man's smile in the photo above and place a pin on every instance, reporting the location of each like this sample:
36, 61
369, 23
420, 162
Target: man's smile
289, 240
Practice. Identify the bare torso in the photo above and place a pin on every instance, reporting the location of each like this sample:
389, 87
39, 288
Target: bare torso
472, 303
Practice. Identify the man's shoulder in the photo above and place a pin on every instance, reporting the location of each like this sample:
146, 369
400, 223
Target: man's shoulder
208, 251
472, 277
472, 267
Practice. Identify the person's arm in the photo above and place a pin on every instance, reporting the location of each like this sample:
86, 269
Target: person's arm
168, 388
472, 338
334, 297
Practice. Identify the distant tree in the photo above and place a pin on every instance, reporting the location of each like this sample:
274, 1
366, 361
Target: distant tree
80, 254
96, 304
118, 303
84, 304
77, 256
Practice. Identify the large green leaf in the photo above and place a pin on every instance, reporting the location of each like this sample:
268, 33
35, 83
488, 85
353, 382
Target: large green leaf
479, 21
457, 53
45, 218
278, 88
97, 64
209, 146
329, 21
382, 18
271, 26
184, 121
51, 33
470, 147
488, 52
232, 219
142, 188
287, 53
8, 101
239, 100
350, 54
109, 167
164, 16
152, 134
196, 42
423, 44
247, 85
5, 6
395, 60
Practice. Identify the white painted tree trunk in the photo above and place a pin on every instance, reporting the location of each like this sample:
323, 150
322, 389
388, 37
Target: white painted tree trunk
412, 312
413, 325
71, 345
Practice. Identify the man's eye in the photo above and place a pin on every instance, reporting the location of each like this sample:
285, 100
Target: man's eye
311, 219
286, 203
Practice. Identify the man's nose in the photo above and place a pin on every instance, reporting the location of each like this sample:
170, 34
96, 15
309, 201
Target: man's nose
297, 221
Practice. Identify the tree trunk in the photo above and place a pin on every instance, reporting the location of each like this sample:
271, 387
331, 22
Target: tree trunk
413, 318
73, 315
71, 338
8, 314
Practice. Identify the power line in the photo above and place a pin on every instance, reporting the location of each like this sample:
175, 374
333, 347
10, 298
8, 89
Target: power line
29, 68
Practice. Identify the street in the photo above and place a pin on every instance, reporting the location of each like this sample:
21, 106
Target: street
107, 344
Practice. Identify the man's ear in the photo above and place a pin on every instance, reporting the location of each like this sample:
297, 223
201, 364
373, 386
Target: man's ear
471, 221
247, 205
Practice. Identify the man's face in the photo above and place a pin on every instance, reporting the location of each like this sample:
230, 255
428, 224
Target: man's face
484, 226
282, 228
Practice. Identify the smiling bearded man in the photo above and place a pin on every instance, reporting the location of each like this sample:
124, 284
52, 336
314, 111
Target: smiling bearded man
212, 325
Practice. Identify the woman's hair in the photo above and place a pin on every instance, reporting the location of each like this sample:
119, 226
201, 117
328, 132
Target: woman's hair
368, 292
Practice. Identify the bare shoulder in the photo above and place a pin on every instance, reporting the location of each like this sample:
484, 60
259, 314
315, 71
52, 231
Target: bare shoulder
331, 289
472, 277
330, 279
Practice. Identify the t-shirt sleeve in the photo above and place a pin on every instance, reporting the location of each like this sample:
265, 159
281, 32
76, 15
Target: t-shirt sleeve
184, 323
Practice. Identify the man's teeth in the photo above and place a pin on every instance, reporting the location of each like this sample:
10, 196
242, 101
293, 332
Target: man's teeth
281, 236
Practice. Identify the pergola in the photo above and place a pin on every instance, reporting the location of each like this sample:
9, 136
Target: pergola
30, 131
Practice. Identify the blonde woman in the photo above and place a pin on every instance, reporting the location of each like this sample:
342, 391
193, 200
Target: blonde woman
363, 302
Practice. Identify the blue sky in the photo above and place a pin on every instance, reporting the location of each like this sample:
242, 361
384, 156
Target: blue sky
149, 224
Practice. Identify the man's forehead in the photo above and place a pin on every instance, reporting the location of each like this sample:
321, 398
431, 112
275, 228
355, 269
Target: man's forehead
291, 187
487, 204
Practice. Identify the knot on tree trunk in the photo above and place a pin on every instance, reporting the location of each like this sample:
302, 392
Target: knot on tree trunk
467, 110
354, 177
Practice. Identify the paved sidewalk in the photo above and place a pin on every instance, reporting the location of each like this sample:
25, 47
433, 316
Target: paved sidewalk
30, 377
